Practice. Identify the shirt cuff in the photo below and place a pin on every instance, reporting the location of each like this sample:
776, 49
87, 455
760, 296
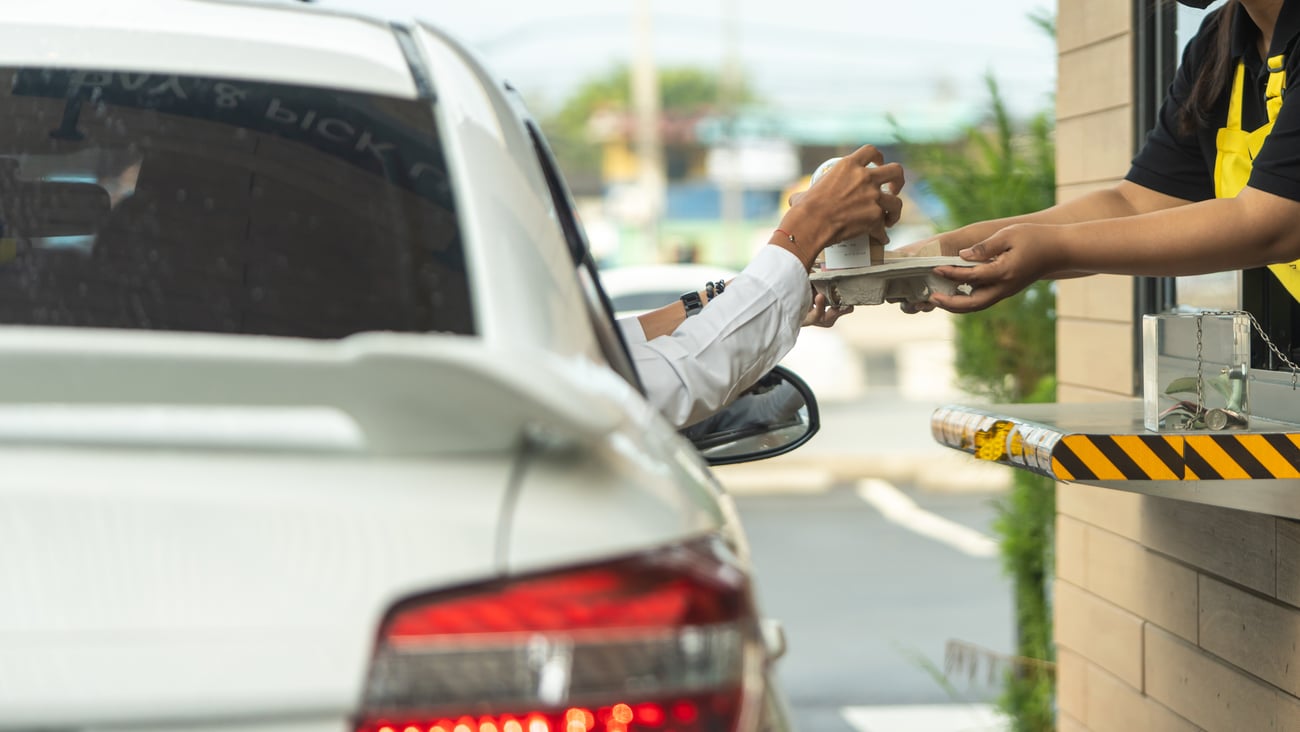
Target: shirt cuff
782, 272
632, 330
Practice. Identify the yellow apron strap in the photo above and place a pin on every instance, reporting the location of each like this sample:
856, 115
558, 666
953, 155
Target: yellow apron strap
1232, 160
1276, 83
1234, 102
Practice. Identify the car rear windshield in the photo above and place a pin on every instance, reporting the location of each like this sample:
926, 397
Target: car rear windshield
157, 201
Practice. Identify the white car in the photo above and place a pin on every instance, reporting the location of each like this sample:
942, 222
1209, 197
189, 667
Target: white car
313, 413
830, 365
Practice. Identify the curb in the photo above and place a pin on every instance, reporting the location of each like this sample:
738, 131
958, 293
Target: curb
805, 474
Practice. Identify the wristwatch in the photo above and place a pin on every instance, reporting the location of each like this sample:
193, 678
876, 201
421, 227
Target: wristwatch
693, 303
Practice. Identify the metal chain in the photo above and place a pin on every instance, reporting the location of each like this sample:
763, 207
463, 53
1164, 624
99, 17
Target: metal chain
1200, 363
1295, 370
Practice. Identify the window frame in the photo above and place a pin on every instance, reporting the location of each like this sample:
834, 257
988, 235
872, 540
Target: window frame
1155, 60
600, 312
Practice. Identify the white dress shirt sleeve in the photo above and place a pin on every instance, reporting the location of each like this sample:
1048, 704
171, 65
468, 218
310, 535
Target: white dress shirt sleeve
738, 337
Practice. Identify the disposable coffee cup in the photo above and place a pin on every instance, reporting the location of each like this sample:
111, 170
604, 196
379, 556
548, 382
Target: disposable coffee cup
851, 252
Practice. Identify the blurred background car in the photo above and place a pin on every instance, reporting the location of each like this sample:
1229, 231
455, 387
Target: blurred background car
831, 366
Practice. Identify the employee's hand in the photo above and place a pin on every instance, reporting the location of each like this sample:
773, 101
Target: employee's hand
940, 245
930, 247
1013, 258
822, 314
947, 244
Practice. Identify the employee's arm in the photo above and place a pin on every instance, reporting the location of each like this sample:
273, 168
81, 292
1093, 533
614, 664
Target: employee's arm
1122, 200
1252, 230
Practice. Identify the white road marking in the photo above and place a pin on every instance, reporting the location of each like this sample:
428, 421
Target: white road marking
935, 718
900, 509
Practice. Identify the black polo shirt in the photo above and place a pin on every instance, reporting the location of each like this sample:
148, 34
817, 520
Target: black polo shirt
1183, 165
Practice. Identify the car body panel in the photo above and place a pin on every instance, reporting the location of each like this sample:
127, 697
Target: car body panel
201, 585
484, 403
137, 550
262, 42
516, 249
645, 486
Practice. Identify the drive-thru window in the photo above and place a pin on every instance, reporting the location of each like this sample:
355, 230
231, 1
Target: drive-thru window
1177, 593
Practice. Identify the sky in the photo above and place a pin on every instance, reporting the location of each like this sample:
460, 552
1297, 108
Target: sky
827, 56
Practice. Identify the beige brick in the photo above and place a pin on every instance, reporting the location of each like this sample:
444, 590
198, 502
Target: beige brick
1095, 354
1099, 297
1288, 713
1114, 706
1236, 545
1142, 582
1254, 634
1084, 22
1205, 691
1071, 550
1104, 634
1094, 77
1072, 394
1067, 723
1072, 684
1117, 511
1288, 561
1162, 719
1094, 147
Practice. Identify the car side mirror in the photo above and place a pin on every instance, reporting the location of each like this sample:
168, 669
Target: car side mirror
775, 416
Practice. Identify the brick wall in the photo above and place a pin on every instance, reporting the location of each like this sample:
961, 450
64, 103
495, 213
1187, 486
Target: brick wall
1170, 615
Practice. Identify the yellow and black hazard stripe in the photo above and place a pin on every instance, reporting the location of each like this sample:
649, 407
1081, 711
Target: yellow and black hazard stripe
1118, 457
1236, 457
1177, 457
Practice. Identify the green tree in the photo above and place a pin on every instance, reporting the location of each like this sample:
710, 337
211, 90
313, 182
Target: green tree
1008, 353
683, 90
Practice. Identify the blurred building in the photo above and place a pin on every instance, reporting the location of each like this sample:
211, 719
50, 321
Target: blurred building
729, 178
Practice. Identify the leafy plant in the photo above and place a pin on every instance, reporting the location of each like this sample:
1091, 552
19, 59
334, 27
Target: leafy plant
683, 90
1008, 353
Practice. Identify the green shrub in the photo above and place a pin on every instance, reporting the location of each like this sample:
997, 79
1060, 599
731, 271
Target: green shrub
1007, 353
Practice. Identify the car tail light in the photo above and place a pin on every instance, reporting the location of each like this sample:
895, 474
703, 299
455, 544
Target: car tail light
662, 642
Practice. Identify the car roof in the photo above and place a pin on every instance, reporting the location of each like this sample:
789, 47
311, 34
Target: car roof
281, 42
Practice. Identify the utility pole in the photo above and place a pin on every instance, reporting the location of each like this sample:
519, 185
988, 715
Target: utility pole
646, 104
733, 194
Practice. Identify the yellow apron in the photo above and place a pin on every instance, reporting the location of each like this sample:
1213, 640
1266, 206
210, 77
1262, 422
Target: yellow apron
1237, 149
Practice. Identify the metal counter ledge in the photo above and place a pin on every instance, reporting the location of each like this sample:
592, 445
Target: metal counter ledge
1106, 445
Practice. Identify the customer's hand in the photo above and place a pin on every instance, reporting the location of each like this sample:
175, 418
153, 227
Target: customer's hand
913, 307
822, 314
849, 201
862, 192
